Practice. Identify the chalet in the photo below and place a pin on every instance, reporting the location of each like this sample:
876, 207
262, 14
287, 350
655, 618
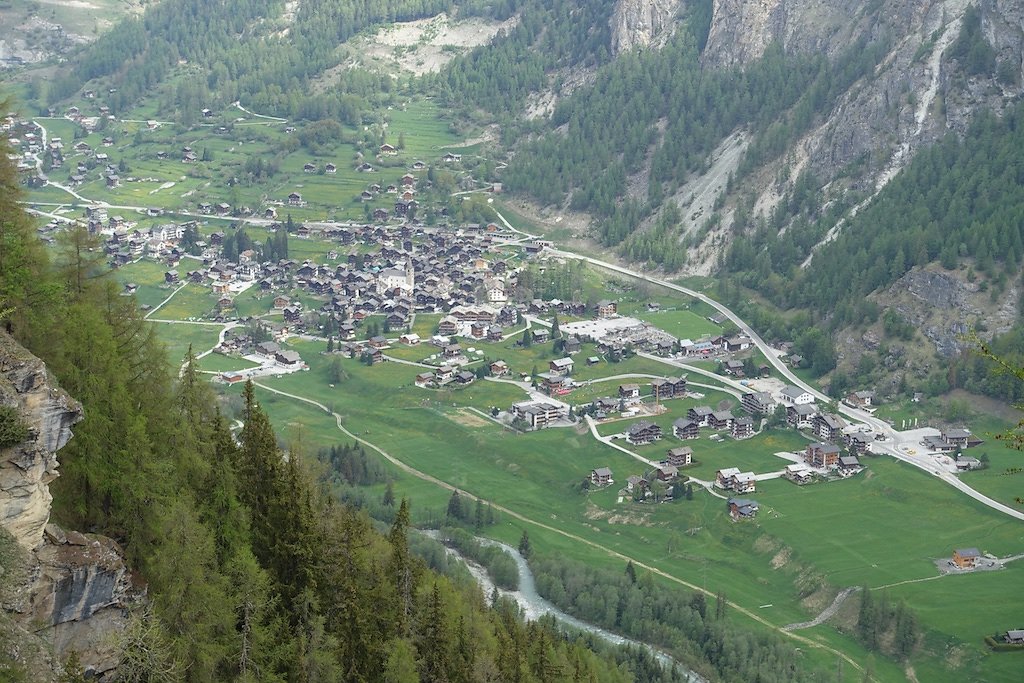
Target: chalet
721, 419
424, 378
380, 214
539, 415
533, 247
859, 399
365, 196
828, 427
643, 432
937, 443
629, 391
418, 165
452, 351
560, 366
744, 482
388, 150
1015, 637
685, 429
541, 336
495, 333
666, 472
373, 356
737, 343
758, 402
478, 330
724, 477
378, 342
602, 476
742, 508
410, 339
282, 302
292, 314
555, 385
465, 377
444, 374
635, 482
403, 207
849, 464
700, 414
961, 438
593, 360
295, 199
966, 558
606, 308
408, 179
661, 389
309, 168
171, 276
288, 358
742, 427
448, 326
680, 456
796, 396
734, 368
449, 158
267, 349
572, 345
965, 462
801, 416
799, 473
822, 455
499, 368
858, 443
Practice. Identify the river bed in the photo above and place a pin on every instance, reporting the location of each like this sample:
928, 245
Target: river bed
534, 606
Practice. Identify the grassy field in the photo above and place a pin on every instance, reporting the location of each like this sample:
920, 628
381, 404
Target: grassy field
218, 362
191, 302
178, 337
536, 474
149, 276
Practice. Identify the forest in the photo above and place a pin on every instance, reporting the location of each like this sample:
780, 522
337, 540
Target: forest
958, 202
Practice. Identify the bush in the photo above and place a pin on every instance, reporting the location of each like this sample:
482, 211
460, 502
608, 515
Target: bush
12, 428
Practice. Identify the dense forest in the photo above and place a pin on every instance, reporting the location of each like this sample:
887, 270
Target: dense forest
959, 201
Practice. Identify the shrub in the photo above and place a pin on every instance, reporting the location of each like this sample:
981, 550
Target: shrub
12, 428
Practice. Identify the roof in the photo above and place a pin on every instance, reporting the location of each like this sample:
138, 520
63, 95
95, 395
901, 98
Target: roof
824, 447
683, 423
641, 425
956, 433
681, 450
562, 362
603, 472
728, 472
967, 552
792, 391
849, 461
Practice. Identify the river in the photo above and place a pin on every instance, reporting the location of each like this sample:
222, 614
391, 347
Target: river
534, 606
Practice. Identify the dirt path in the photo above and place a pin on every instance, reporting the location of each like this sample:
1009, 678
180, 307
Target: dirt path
579, 539
826, 613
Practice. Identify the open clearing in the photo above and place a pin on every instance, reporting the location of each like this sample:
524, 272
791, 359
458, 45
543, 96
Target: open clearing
426, 45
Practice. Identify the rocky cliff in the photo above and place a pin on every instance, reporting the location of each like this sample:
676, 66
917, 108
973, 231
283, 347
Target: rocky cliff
639, 23
62, 591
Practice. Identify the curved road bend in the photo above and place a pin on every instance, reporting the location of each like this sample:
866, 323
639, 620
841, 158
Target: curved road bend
878, 424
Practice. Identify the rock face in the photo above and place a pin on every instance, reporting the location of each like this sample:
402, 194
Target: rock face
26, 469
62, 591
639, 23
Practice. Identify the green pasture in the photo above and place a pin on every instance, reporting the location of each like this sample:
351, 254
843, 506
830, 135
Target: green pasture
218, 362
191, 301
178, 337
149, 276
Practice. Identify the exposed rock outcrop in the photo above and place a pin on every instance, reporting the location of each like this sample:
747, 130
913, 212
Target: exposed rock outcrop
62, 591
26, 469
639, 23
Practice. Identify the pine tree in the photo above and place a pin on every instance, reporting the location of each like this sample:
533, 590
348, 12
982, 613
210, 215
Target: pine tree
401, 571
454, 506
524, 545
